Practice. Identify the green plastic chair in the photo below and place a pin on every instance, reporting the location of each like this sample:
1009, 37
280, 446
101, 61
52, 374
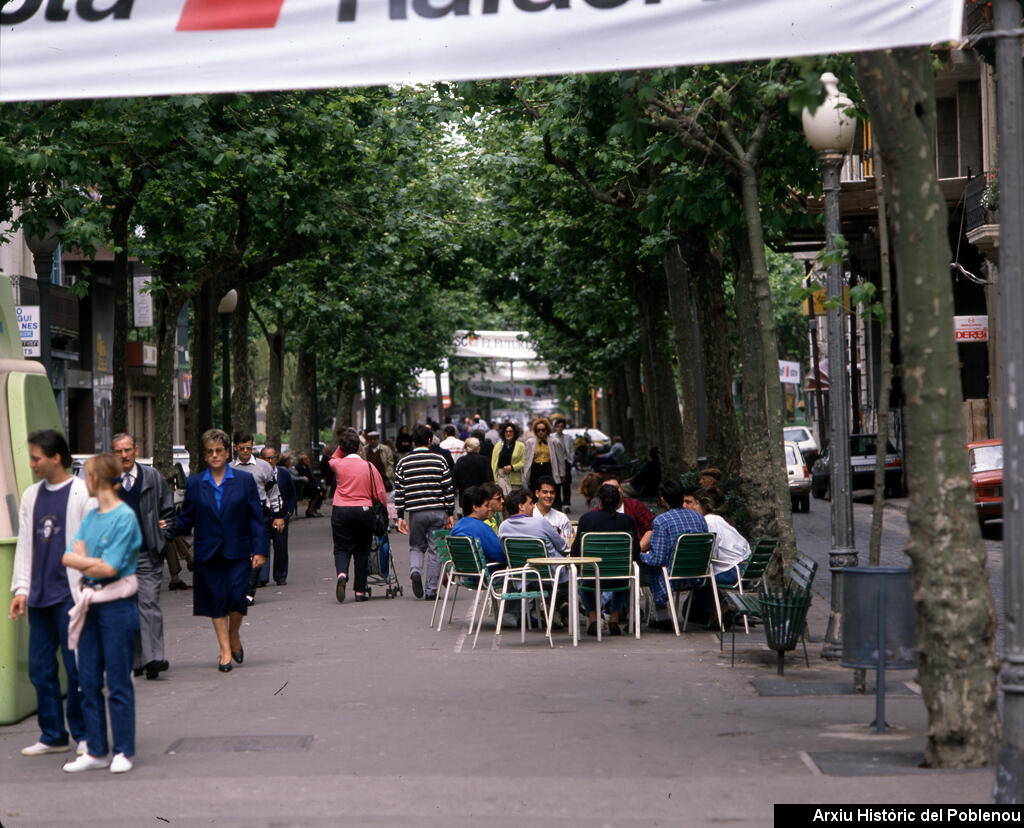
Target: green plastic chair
691, 561
441, 542
467, 563
514, 583
752, 570
617, 570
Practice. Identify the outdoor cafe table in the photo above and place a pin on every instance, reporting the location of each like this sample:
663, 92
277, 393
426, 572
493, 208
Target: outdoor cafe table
573, 564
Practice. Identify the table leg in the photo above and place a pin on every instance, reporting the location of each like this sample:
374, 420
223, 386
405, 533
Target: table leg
574, 606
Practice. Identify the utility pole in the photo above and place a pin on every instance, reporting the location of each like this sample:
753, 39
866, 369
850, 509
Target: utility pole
1009, 784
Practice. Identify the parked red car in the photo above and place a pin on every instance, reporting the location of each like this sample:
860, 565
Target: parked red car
985, 458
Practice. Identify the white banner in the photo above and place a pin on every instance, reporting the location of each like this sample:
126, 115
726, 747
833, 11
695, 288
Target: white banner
506, 391
112, 48
28, 324
494, 345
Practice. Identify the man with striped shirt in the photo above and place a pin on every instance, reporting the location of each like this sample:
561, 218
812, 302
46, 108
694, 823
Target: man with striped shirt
425, 500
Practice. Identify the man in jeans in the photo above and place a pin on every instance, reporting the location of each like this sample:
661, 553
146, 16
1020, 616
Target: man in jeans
425, 500
51, 512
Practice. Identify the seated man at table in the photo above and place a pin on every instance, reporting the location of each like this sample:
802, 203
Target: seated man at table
521, 523
473, 525
641, 515
666, 528
607, 518
544, 507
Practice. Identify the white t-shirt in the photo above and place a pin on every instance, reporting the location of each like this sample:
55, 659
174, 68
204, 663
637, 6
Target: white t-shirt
455, 446
557, 519
730, 546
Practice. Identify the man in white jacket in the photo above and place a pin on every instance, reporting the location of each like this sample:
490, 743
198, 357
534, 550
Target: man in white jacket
51, 512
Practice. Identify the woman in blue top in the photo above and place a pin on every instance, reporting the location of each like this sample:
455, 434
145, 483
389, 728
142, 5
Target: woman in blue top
224, 510
106, 549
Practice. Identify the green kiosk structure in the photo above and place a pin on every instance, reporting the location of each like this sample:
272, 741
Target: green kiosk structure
26, 404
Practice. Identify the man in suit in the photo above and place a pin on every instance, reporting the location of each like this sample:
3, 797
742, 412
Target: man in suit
145, 490
279, 540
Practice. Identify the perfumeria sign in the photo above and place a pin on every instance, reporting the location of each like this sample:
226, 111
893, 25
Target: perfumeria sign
53, 49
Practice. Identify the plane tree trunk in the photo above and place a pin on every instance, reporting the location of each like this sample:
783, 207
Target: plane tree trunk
953, 604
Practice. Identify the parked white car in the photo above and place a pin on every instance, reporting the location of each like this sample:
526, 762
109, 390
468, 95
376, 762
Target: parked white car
799, 478
802, 436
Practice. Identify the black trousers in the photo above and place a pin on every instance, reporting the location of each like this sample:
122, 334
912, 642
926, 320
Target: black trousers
352, 529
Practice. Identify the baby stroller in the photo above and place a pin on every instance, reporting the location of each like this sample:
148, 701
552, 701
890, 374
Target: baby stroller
381, 570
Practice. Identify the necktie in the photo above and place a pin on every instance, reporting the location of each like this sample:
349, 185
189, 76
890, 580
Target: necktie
127, 484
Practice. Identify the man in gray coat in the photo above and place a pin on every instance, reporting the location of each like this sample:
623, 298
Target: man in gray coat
145, 490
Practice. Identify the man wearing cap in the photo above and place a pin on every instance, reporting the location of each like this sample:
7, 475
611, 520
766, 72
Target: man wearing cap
381, 456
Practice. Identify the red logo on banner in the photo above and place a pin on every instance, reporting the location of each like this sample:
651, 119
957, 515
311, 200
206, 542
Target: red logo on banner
206, 15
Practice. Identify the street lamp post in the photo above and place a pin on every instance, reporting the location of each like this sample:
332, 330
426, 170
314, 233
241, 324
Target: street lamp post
226, 307
43, 247
830, 131
1009, 785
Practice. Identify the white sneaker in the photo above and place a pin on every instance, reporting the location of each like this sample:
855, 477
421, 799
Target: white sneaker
82, 748
120, 764
39, 748
86, 762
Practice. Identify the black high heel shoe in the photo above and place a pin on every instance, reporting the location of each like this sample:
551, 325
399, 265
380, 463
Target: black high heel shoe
224, 668
240, 655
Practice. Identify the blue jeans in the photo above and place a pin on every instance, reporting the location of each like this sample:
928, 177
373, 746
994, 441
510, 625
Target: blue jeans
612, 601
48, 630
107, 646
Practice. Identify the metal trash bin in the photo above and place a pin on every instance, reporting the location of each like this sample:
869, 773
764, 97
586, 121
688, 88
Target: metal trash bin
878, 624
785, 613
17, 695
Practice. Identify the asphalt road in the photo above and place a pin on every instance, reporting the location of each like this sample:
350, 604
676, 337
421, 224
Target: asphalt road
813, 531
358, 714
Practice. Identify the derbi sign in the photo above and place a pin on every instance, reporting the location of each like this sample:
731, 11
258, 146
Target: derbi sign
53, 49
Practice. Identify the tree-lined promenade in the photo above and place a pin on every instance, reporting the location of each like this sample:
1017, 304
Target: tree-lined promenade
615, 216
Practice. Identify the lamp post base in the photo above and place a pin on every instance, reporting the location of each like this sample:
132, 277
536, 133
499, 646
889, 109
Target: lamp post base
838, 560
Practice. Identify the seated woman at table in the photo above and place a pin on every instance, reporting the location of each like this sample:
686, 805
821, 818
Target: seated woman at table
607, 518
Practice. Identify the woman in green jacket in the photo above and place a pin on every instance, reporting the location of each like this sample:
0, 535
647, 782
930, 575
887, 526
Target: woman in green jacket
507, 459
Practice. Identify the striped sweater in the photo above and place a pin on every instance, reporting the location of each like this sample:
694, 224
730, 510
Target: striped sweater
423, 481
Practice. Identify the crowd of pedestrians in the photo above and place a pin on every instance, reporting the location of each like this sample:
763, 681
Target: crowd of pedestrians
89, 558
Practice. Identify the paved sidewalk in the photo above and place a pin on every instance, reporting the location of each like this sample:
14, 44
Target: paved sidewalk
358, 714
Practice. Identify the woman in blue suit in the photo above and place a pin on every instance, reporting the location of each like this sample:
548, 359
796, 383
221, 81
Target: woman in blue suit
224, 510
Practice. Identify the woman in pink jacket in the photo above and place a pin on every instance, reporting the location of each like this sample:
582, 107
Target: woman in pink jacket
358, 485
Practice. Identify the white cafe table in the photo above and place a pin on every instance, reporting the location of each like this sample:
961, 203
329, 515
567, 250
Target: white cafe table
574, 565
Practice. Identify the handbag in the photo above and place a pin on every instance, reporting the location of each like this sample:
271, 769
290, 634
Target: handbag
378, 510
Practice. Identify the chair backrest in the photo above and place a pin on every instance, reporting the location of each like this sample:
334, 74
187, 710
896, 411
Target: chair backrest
441, 542
615, 549
692, 556
802, 571
467, 559
518, 550
760, 556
